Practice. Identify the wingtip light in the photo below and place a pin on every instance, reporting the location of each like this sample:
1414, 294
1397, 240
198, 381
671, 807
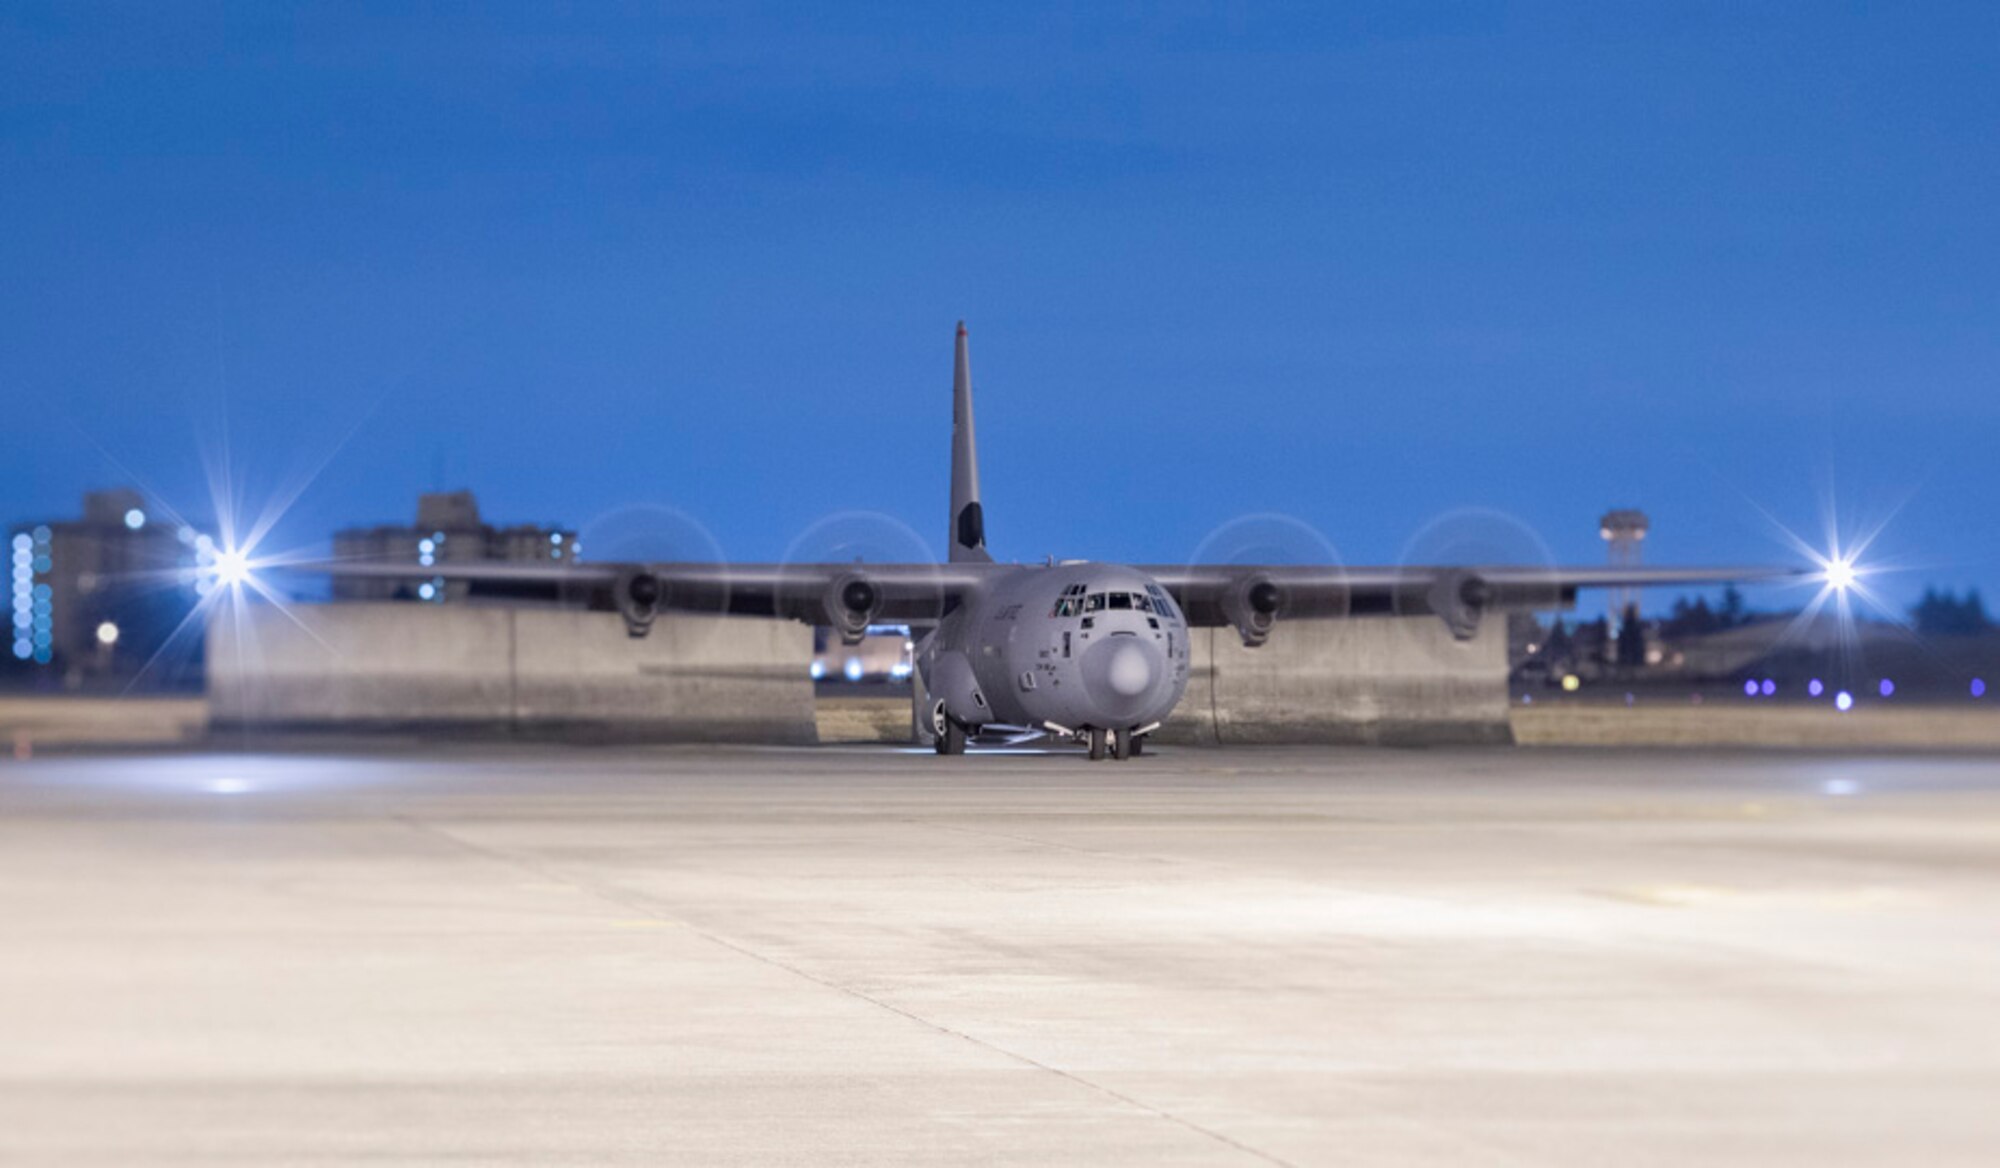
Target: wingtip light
232, 567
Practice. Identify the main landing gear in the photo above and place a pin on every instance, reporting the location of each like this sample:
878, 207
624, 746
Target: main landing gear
947, 733
949, 736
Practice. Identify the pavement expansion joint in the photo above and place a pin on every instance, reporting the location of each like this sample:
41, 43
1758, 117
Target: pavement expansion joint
649, 911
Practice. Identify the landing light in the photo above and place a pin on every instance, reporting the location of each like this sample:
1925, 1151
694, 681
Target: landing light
232, 567
1840, 573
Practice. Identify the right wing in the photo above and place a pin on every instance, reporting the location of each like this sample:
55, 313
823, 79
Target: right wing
846, 597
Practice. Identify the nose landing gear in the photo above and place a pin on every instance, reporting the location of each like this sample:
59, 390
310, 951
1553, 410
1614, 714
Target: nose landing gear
1118, 744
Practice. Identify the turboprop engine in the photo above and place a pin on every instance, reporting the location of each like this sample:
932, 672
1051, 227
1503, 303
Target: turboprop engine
851, 604
1460, 598
638, 595
1252, 606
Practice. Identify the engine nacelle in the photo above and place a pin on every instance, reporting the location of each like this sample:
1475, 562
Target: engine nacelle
639, 593
852, 602
1459, 598
1251, 605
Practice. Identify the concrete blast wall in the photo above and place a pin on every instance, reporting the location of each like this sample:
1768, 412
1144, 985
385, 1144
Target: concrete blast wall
1388, 680
538, 671
563, 672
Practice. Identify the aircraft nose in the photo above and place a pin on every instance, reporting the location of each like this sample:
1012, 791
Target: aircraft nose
1129, 672
1121, 674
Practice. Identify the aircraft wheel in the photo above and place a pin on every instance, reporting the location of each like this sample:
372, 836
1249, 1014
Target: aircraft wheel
1096, 743
952, 741
1121, 744
1138, 746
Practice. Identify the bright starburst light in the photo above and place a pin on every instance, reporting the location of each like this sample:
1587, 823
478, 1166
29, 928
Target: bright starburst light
1843, 573
232, 567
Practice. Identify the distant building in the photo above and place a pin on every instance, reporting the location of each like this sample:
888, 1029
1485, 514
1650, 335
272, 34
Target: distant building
448, 530
94, 600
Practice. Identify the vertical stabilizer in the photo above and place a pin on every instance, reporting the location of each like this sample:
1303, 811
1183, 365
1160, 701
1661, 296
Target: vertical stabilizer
968, 522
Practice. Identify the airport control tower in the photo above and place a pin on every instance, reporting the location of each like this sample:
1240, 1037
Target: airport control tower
1624, 532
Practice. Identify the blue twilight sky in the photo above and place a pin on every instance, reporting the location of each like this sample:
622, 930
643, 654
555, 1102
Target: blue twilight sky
1362, 265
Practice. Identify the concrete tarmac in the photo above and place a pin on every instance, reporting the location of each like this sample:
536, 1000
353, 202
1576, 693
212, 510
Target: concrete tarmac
874, 956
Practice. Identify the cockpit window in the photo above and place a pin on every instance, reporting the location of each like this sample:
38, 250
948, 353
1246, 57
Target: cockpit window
1073, 603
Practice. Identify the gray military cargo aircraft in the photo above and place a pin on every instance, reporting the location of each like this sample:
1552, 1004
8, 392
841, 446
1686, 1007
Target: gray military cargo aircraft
1082, 651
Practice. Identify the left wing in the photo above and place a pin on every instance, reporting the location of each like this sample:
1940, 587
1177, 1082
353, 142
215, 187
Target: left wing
1253, 597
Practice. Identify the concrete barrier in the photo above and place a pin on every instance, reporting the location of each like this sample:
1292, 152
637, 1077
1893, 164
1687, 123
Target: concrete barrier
565, 673
28, 723
1373, 680
863, 719
1777, 725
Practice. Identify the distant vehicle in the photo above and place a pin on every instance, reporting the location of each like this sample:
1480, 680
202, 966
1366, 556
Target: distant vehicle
884, 654
1088, 652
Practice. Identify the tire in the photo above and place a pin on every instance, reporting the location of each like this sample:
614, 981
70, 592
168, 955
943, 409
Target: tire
952, 741
1138, 746
1096, 744
1121, 744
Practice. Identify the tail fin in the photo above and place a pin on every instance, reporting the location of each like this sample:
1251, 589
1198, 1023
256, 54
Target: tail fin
968, 522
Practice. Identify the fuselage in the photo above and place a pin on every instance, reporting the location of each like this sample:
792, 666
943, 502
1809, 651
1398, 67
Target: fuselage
1073, 645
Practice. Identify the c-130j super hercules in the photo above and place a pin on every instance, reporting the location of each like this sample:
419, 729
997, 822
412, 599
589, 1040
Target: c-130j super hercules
1082, 651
